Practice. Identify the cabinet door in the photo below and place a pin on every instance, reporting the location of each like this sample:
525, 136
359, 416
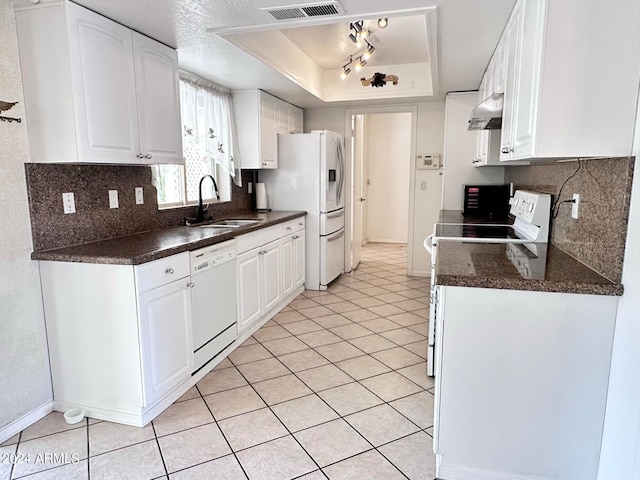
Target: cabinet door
298, 259
249, 291
284, 114
271, 275
511, 40
287, 264
296, 120
104, 91
165, 337
268, 132
528, 78
158, 94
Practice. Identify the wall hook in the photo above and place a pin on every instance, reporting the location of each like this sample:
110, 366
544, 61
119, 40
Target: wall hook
4, 106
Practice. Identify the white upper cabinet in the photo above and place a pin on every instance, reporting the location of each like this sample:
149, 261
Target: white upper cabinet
158, 100
95, 91
259, 118
571, 85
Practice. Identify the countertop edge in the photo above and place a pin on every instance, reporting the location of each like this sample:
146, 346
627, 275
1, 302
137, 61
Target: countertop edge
614, 289
59, 255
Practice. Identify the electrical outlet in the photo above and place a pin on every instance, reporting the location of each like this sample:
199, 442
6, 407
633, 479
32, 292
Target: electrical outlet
575, 205
139, 196
250, 188
113, 199
68, 203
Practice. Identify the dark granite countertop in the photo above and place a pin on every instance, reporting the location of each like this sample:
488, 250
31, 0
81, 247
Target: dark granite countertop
148, 246
516, 267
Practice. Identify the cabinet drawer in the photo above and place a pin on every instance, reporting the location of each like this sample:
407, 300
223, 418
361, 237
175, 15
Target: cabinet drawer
163, 271
292, 226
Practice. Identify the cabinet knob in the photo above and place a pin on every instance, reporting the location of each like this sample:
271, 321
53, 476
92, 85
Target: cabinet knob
264, 164
190, 285
301, 224
288, 228
140, 155
507, 150
148, 156
169, 271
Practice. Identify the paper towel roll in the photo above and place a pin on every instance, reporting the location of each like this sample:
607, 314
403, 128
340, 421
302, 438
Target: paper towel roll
261, 196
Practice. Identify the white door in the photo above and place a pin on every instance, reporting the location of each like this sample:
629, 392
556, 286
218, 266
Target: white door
249, 291
102, 70
165, 337
358, 190
270, 275
156, 68
287, 265
298, 259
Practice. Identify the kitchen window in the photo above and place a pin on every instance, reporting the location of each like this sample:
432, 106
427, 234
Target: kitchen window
208, 147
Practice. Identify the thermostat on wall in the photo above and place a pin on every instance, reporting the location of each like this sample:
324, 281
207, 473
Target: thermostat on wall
428, 161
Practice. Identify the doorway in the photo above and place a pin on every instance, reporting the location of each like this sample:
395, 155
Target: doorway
382, 152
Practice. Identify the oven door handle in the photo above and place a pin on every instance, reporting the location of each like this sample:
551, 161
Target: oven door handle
427, 247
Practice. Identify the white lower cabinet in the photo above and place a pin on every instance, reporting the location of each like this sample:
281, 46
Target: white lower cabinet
258, 277
165, 338
530, 371
271, 271
120, 337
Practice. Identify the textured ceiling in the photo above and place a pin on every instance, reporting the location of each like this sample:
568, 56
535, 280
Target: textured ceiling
468, 31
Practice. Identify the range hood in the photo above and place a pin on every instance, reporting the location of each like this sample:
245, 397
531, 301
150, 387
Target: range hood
488, 114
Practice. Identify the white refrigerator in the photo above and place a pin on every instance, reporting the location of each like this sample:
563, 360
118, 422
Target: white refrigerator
311, 176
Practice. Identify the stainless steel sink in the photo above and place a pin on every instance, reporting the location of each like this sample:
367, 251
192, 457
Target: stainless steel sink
235, 223
217, 229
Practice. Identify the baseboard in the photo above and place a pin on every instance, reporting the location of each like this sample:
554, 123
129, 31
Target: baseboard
24, 421
384, 240
463, 473
418, 273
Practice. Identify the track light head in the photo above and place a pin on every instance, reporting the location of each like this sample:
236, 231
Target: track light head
345, 71
358, 26
383, 22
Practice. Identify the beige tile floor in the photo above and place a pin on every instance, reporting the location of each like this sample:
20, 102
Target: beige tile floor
334, 386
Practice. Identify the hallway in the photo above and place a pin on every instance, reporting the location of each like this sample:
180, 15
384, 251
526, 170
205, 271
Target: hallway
334, 386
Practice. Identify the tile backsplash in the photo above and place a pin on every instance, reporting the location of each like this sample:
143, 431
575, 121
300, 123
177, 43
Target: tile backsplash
94, 220
597, 238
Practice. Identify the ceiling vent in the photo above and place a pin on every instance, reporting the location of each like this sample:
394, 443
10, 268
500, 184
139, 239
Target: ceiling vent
321, 9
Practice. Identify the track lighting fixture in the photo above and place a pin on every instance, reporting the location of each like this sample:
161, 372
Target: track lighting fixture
357, 34
383, 22
370, 49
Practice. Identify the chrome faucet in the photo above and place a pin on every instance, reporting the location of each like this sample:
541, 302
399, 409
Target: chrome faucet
200, 214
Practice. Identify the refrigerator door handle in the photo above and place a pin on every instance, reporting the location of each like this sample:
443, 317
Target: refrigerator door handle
336, 213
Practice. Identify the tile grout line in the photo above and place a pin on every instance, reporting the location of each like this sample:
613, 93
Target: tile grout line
155, 435
222, 432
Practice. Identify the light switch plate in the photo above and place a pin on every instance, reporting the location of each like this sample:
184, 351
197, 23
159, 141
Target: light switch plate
113, 199
139, 196
68, 203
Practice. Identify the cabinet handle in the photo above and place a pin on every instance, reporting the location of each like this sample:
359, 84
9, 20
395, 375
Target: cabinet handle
264, 164
507, 150
301, 224
148, 156
295, 237
190, 285
140, 155
169, 271
288, 228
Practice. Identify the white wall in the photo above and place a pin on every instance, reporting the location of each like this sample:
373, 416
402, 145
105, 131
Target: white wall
388, 155
25, 382
620, 457
430, 139
459, 151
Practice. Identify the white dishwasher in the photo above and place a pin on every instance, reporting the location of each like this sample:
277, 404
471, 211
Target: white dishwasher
213, 300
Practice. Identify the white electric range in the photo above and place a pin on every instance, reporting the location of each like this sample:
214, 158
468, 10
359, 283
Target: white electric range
532, 212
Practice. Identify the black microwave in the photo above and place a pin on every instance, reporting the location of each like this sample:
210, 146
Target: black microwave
490, 201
